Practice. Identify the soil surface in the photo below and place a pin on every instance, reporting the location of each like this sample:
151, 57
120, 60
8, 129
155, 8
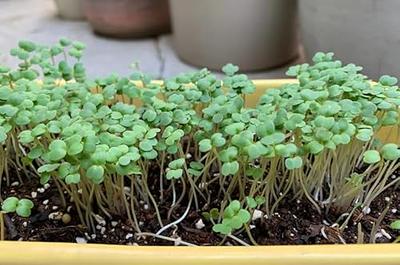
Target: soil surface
294, 222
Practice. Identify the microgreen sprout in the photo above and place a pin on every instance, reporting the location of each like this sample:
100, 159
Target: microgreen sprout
192, 141
234, 218
20, 206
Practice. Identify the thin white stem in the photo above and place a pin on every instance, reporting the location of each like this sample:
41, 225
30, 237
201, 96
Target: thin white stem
176, 221
176, 240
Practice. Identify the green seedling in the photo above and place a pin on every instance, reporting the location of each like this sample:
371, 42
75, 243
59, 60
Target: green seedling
193, 141
234, 218
20, 206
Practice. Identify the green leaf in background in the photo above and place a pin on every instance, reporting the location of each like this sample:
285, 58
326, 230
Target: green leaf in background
73, 178
205, 145
371, 157
58, 150
395, 225
174, 174
95, 173
230, 69
390, 151
230, 168
293, 163
387, 80
9, 205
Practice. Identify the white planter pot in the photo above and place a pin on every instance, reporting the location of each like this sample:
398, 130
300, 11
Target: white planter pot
366, 32
70, 9
254, 34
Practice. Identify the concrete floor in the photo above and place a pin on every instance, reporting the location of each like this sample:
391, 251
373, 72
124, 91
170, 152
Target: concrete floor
36, 20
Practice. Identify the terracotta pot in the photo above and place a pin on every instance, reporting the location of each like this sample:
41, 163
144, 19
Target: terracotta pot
254, 34
128, 18
70, 9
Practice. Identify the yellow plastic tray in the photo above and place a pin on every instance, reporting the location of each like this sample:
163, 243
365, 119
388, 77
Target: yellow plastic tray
31, 253
38, 253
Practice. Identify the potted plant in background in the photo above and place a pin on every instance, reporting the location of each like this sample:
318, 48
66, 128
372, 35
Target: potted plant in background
128, 18
70, 9
201, 161
253, 34
365, 32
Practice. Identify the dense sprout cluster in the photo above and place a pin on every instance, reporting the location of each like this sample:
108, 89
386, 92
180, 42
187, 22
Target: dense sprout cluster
192, 140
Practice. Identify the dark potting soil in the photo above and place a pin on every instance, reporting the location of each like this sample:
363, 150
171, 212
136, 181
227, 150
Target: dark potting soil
294, 222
